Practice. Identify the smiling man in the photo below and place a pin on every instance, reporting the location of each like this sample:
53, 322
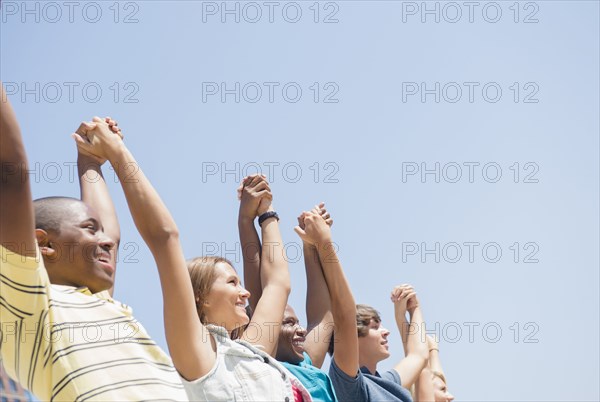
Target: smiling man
62, 336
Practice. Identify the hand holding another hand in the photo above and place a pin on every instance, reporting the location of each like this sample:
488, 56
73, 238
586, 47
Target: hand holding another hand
255, 196
314, 228
94, 139
404, 298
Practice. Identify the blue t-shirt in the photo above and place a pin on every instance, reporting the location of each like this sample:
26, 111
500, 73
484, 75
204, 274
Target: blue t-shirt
316, 381
368, 387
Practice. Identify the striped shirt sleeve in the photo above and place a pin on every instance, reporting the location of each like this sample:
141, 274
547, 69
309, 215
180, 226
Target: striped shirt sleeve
24, 301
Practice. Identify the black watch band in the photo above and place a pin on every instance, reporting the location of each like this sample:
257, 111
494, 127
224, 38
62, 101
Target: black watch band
267, 215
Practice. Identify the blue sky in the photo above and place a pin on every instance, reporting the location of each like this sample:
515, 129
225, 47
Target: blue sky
458, 155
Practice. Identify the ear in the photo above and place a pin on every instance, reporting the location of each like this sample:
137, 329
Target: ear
46, 246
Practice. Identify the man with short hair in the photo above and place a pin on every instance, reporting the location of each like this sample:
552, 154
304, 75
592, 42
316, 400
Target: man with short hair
62, 336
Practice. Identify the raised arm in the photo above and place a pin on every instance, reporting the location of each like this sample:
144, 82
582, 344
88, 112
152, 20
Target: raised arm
318, 305
343, 306
434, 355
275, 285
17, 226
424, 385
400, 295
188, 340
415, 345
94, 191
251, 192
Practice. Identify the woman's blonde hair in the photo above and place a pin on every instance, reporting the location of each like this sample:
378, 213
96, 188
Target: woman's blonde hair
203, 274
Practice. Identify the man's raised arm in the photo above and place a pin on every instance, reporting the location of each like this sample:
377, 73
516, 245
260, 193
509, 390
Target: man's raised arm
17, 222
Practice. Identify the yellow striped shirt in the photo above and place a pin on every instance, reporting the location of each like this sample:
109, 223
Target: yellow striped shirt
65, 344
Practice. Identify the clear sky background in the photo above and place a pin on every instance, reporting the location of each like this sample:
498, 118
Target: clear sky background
517, 88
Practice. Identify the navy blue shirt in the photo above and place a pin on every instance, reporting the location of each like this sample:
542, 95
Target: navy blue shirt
368, 387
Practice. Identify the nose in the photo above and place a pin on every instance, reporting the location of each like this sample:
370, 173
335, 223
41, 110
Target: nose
384, 332
244, 293
450, 397
300, 330
106, 242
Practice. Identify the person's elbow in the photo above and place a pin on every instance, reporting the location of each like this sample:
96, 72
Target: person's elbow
282, 287
421, 359
162, 234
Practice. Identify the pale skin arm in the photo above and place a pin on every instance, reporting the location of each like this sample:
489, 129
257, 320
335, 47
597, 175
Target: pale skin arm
343, 306
424, 387
251, 192
400, 296
424, 384
94, 191
434, 355
417, 353
16, 214
318, 305
274, 284
189, 341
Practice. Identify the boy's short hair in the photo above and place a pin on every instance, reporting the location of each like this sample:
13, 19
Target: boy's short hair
50, 212
364, 315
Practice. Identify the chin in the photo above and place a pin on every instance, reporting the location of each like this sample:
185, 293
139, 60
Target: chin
243, 320
101, 286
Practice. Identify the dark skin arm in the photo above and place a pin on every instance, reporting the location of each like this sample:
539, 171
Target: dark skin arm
16, 206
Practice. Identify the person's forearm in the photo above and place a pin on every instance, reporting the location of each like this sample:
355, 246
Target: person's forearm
273, 264
424, 387
16, 214
94, 192
343, 309
151, 217
343, 306
251, 249
318, 304
434, 361
318, 307
402, 326
416, 340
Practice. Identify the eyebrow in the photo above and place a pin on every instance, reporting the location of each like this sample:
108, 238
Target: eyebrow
95, 222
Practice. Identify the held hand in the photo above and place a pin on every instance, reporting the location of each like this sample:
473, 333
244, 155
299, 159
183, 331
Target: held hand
401, 295
94, 138
320, 209
413, 303
313, 229
255, 196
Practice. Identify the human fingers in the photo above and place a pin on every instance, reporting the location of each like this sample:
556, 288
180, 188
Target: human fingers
262, 185
84, 127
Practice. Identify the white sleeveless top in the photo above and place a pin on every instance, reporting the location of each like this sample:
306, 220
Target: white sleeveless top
243, 372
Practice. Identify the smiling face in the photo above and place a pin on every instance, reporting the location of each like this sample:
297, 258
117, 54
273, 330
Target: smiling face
225, 303
79, 252
290, 347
